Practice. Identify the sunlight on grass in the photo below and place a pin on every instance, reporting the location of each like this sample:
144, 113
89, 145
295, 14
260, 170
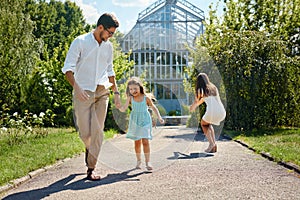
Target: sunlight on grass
110, 133
26, 152
281, 144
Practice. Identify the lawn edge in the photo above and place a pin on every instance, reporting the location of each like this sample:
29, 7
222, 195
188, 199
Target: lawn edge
17, 182
287, 165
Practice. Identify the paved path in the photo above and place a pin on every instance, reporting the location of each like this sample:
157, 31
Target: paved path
182, 171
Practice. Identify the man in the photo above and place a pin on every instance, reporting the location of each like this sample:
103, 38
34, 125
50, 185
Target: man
89, 69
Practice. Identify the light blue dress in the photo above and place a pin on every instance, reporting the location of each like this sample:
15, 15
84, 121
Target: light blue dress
140, 122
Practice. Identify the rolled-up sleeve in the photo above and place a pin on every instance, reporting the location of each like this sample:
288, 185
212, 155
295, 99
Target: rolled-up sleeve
110, 67
72, 57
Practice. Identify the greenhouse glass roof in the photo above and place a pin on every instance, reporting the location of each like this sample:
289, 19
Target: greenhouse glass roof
165, 25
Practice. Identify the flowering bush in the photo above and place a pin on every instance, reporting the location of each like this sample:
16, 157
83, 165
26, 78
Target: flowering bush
16, 128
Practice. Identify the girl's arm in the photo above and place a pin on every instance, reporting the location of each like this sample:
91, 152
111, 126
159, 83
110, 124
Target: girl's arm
198, 101
124, 107
154, 108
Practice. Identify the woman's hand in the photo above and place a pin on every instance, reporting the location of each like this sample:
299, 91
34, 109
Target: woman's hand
197, 102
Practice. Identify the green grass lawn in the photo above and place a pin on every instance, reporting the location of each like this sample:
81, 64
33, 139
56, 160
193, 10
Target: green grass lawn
282, 144
23, 153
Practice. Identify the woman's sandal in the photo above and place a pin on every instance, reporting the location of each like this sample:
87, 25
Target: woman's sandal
91, 175
214, 149
149, 166
211, 149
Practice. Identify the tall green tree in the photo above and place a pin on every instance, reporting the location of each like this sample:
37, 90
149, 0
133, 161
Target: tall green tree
57, 24
54, 94
274, 17
55, 21
19, 50
252, 49
260, 80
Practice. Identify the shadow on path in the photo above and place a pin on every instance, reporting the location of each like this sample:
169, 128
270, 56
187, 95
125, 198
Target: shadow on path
197, 136
179, 155
82, 184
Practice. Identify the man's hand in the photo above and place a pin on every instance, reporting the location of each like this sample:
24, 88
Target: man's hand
80, 93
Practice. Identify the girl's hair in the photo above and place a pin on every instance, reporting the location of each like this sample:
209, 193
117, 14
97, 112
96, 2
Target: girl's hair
204, 86
135, 81
152, 97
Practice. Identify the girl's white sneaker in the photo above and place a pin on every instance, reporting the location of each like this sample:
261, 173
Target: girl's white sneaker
149, 166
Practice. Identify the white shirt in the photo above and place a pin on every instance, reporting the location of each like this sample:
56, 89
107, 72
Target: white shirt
90, 62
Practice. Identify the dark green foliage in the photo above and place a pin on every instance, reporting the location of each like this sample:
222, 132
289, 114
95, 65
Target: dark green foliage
258, 62
275, 17
18, 52
260, 80
31, 76
57, 24
55, 21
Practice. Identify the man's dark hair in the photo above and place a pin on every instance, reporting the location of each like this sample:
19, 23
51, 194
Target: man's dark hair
108, 20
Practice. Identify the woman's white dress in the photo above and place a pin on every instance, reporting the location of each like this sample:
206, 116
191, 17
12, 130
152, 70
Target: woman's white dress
215, 111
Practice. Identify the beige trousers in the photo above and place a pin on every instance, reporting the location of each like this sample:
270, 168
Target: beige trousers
89, 118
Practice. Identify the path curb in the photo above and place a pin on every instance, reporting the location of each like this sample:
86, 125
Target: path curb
15, 183
288, 165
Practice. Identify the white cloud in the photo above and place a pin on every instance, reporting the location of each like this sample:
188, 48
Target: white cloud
128, 25
132, 3
89, 11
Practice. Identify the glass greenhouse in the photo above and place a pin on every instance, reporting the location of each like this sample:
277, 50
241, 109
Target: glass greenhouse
158, 43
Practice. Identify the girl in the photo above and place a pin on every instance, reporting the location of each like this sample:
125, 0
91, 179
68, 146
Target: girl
207, 92
140, 122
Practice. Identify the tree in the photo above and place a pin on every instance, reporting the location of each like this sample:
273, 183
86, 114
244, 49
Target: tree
274, 17
55, 21
19, 50
252, 50
57, 24
260, 79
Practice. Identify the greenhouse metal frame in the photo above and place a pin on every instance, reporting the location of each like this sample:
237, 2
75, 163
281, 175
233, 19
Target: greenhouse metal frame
159, 44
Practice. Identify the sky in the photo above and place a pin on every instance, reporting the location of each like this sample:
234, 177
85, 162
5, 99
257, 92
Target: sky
127, 10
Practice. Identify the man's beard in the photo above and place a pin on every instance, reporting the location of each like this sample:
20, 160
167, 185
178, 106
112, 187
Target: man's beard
102, 38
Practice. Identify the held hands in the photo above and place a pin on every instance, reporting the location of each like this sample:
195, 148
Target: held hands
124, 107
117, 100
